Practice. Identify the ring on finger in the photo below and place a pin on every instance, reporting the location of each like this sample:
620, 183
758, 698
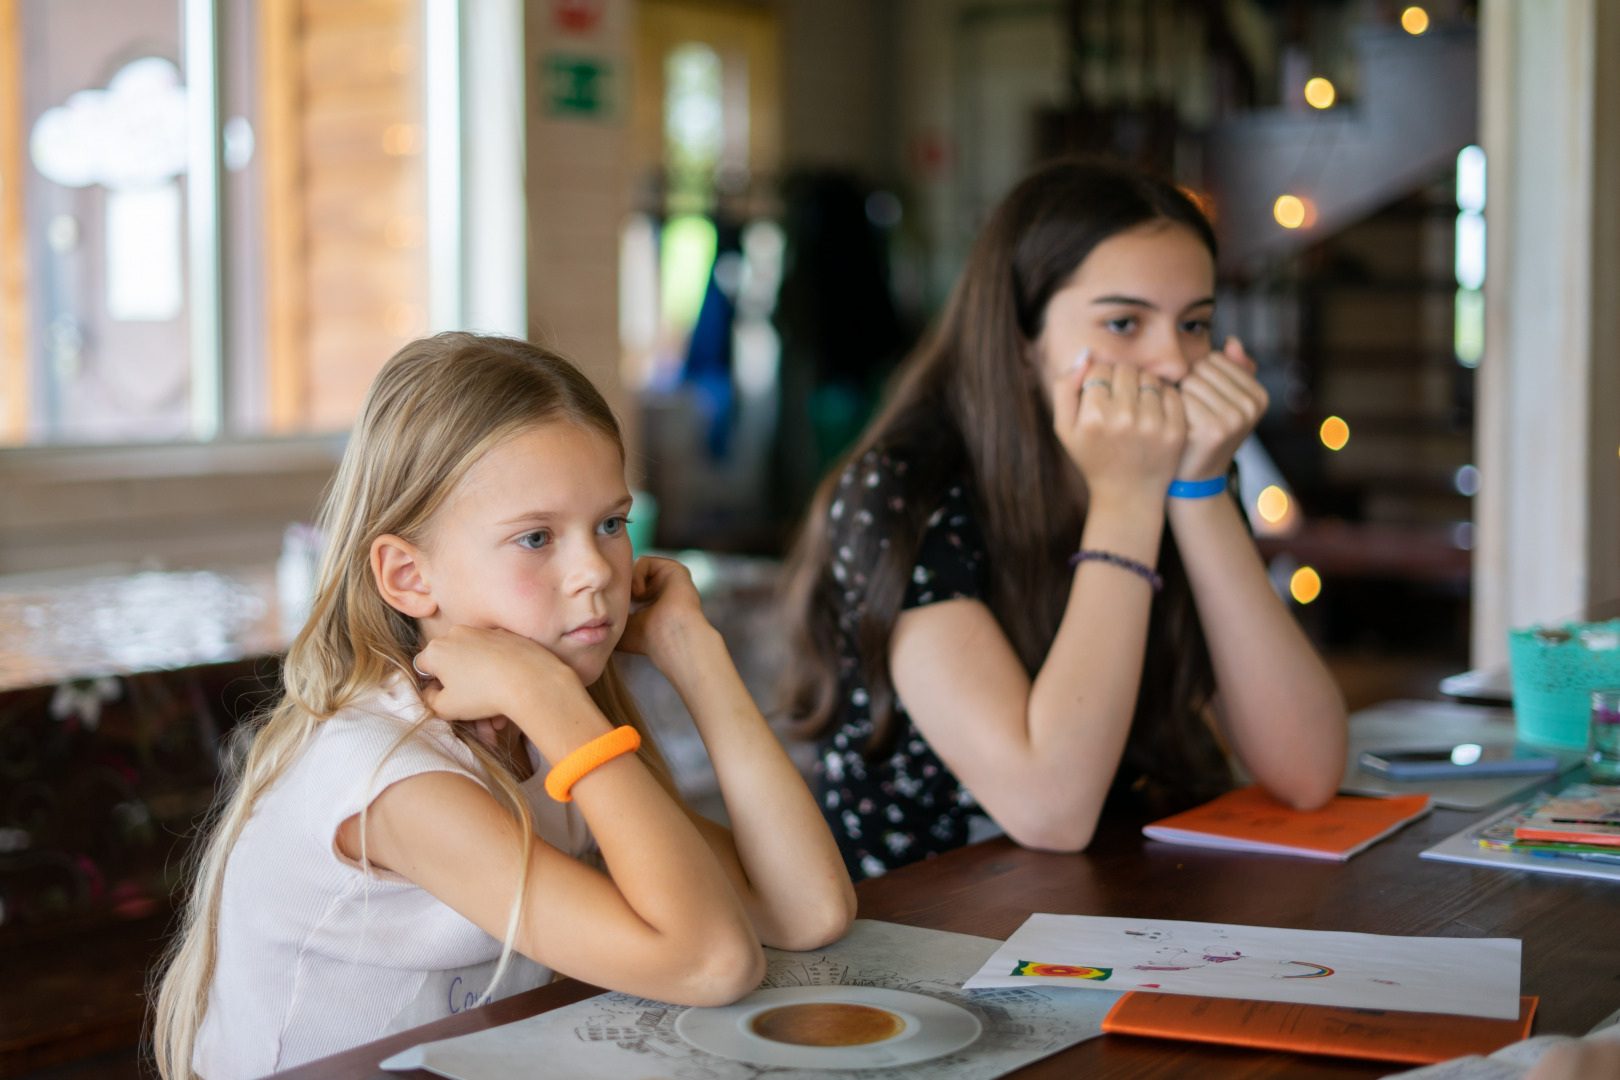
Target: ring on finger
1089, 383
1147, 388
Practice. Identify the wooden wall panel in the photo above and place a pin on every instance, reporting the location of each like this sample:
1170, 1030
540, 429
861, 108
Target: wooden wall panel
348, 200
279, 102
14, 339
578, 193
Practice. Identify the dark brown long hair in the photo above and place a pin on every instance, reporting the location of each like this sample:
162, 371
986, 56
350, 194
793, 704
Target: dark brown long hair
968, 404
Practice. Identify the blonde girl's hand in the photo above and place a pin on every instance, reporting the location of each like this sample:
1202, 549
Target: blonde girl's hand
481, 677
1123, 429
664, 606
1224, 402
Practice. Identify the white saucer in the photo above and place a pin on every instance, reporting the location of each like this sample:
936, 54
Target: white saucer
932, 1028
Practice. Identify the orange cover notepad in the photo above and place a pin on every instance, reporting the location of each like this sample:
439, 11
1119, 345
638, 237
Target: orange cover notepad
1382, 1035
1248, 819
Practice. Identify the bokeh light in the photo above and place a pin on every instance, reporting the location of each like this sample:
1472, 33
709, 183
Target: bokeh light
1319, 93
1305, 585
1290, 211
1273, 504
1414, 20
1467, 480
1335, 433
1471, 179
1468, 327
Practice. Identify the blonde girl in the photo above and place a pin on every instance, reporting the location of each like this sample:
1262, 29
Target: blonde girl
389, 853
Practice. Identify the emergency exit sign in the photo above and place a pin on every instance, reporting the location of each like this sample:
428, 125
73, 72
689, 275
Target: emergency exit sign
578, 86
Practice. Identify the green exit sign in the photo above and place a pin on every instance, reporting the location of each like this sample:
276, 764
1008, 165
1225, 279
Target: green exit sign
578, 86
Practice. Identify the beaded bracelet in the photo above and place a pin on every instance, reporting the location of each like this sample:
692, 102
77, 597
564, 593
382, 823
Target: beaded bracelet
599, 751
1146, 573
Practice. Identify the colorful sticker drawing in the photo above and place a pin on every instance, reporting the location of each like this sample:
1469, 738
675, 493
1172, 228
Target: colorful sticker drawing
1321, 971
1061, 971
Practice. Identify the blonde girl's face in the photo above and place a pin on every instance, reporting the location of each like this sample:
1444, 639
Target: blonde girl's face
1144, 297
533, 541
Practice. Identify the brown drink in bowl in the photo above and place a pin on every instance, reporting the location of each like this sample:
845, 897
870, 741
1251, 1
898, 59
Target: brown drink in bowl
827, 1023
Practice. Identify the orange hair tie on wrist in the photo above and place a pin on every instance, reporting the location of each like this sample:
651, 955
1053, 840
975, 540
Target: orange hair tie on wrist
599, 751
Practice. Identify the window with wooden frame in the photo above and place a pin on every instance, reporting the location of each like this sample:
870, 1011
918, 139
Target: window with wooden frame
213, 215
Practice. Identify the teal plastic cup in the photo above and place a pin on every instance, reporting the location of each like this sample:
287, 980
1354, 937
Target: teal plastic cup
1555, 670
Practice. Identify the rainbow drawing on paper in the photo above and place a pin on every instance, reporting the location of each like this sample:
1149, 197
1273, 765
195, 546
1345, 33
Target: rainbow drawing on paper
1321, 971
1061, 971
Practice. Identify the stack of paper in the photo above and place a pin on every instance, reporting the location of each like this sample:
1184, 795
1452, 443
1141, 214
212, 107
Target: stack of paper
1583, 818
1493, 842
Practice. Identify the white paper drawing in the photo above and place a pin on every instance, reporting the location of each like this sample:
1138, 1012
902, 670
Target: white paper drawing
1463, 976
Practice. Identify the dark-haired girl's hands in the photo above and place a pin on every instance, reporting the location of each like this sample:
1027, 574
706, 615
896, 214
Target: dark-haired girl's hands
1124, 429
1224, 402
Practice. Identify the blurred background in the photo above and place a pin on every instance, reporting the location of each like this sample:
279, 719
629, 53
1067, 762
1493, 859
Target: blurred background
218, 218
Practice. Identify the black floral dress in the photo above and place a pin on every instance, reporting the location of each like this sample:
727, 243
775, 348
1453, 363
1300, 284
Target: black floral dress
907, 806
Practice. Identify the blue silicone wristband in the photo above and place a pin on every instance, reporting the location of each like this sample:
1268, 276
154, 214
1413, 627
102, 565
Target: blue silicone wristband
1197, 489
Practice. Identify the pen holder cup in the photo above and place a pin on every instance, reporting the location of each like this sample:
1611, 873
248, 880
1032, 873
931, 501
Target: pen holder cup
1555, 670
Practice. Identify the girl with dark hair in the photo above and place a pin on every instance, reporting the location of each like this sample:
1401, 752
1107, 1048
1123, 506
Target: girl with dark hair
1027, 588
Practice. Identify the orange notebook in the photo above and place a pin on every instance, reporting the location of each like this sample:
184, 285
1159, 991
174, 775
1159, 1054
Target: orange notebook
1382, 1035
1248, 819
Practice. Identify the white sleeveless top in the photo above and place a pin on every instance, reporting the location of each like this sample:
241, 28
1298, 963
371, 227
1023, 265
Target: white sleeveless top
315, 956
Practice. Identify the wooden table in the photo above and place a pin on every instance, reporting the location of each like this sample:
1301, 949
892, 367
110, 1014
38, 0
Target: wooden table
1570, 928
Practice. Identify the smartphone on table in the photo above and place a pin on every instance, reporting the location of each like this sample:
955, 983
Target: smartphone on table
1459, 761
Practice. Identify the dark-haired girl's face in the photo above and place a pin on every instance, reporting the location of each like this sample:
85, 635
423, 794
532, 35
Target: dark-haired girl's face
1142, 297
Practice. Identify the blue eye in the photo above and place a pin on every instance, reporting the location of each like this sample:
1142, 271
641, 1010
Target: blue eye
613, 526
535, 541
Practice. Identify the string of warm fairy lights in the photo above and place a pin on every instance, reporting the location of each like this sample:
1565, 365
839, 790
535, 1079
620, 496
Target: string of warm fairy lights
1293, 210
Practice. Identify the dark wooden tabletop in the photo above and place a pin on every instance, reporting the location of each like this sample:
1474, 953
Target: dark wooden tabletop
1570, 928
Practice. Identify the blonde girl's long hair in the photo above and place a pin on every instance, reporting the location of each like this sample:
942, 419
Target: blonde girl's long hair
436, 408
